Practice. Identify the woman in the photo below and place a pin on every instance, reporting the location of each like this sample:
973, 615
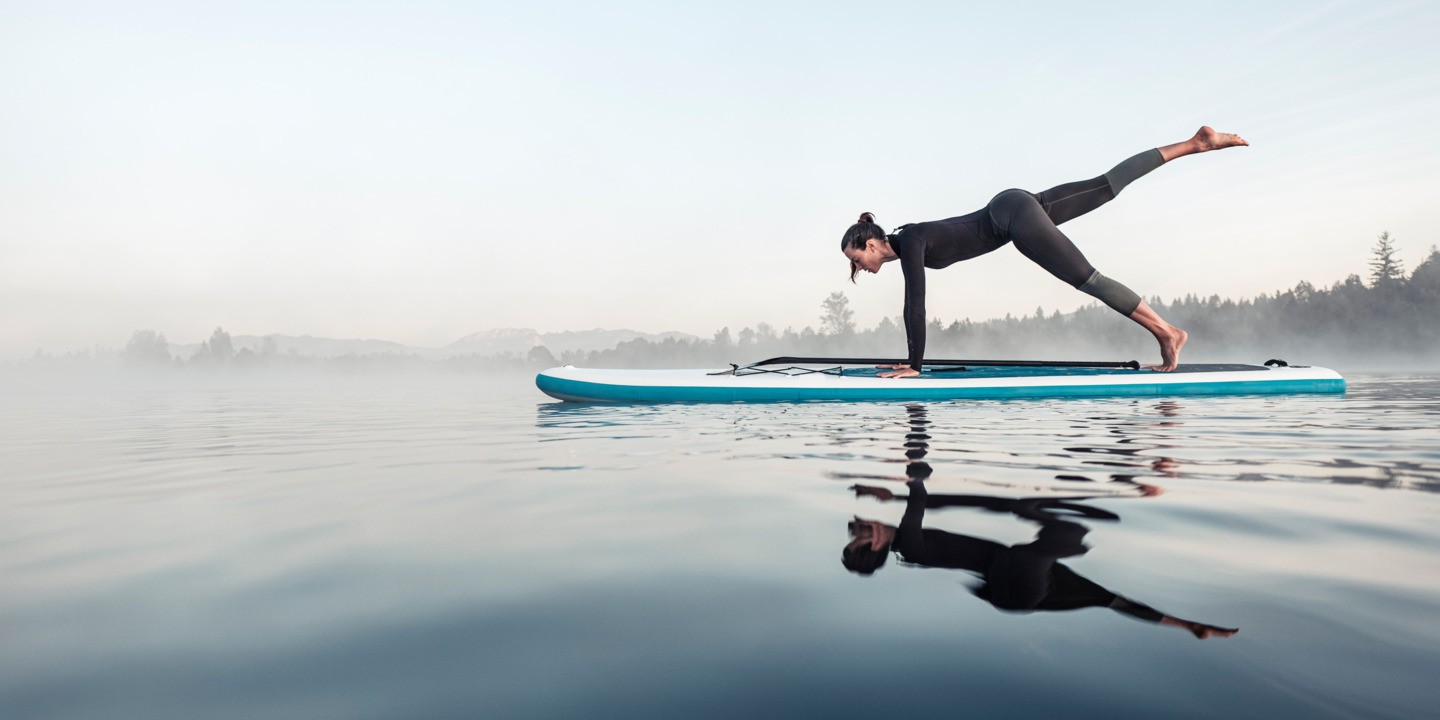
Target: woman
1029, 221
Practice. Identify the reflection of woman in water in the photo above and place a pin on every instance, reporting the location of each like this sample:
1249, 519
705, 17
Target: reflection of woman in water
1018, 578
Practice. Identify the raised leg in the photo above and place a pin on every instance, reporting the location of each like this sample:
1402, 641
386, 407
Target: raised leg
1071, 200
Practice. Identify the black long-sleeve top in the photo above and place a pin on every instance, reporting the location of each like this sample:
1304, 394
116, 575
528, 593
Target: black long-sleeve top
936, 244
1051, 585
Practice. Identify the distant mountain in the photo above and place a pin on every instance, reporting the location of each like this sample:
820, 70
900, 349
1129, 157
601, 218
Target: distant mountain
517, 341
493, 342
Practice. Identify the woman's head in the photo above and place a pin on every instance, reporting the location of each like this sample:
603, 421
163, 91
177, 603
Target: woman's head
869, 546
862, 243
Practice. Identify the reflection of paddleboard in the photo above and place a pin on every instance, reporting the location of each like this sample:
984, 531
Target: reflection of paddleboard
808, 379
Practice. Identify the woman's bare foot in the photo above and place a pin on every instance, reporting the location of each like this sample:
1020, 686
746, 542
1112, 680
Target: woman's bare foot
1199, 630
1171, 338
1202, 631
1170, 348
1205, 140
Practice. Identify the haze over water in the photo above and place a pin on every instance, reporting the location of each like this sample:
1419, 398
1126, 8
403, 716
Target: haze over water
469, 548
418, 171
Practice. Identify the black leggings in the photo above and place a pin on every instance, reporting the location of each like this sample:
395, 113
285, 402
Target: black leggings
1030, 220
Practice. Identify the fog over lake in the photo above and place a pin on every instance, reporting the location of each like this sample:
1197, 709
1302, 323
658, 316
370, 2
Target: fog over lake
417, 172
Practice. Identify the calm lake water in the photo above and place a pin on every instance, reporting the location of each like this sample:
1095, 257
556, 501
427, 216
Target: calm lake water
472, 549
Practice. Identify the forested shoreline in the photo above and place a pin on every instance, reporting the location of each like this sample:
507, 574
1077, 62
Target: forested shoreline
1393, 320
1388, 320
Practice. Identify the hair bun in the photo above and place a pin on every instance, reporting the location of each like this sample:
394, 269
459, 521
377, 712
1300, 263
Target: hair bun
866, 217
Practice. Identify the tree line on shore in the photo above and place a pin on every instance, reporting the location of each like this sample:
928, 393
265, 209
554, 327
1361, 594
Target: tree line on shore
1389, 320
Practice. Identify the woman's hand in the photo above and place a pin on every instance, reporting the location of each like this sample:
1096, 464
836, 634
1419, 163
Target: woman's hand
899, 371
879, 493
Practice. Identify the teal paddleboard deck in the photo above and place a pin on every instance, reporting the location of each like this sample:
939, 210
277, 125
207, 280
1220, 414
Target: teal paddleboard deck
975, 380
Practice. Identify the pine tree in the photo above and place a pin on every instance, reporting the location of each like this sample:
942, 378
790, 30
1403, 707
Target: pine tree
1385, 267
838, 319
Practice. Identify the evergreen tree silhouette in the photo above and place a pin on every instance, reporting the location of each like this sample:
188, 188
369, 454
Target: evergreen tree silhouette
1385, 267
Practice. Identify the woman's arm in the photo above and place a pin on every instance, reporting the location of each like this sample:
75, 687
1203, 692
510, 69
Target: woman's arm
909, 536
912, 263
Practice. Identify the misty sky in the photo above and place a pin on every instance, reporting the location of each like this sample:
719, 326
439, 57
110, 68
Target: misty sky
418, 171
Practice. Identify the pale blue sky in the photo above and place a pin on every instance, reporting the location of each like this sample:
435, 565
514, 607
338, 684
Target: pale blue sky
417, 171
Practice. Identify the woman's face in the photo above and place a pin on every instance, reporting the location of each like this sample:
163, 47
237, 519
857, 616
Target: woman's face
868, 258
870, 532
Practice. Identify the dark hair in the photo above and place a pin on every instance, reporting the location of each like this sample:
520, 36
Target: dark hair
863, 230
862, 559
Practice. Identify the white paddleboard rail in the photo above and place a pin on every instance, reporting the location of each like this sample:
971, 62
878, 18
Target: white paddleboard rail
931, 365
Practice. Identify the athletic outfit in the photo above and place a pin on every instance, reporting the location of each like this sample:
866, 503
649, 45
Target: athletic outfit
1029, 221
1021, 577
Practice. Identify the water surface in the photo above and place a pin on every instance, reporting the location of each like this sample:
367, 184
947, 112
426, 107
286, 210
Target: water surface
470, 548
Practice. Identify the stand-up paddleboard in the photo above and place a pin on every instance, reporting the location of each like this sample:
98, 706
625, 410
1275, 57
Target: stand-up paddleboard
818, 379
